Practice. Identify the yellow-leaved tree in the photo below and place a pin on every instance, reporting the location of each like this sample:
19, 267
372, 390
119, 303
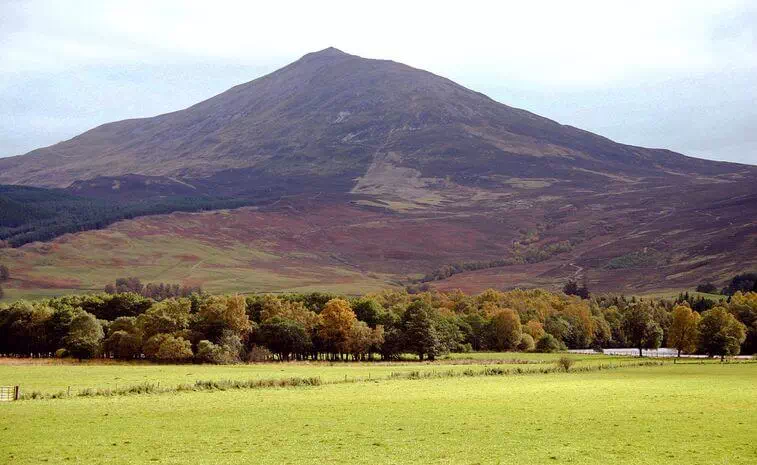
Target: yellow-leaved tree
337, 319
683, 333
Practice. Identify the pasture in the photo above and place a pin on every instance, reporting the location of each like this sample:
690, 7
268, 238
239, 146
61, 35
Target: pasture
674, 414
49, 376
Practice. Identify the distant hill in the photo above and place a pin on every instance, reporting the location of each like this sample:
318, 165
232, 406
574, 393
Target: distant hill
333, 129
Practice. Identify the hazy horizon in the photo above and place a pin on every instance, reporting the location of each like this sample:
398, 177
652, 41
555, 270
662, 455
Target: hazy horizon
678, 75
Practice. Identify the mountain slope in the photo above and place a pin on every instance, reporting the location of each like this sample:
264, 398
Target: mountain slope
393, 174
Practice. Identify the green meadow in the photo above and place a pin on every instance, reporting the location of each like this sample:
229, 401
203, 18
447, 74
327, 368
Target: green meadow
49, 376
690, 413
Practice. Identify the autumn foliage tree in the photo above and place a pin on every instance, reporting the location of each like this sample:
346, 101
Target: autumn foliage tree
505, 330
220, 314
683, 334
337, 319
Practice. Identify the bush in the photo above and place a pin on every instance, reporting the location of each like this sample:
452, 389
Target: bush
207, 352
548, 344
707, 288
259, 354
464, 348
227, 351
526, 343
168, 348
61, 353
565, 363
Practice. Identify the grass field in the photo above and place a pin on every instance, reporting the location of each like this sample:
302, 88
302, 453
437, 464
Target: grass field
51, 376
676, 414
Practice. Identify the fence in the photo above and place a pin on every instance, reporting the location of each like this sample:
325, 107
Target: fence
9, 393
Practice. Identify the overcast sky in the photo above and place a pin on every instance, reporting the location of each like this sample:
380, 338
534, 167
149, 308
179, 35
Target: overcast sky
673, 74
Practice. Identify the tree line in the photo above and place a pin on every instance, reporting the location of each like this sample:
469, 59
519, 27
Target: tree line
155, 291
232, 328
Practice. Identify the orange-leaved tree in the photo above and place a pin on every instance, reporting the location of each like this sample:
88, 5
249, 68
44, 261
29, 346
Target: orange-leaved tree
337, 319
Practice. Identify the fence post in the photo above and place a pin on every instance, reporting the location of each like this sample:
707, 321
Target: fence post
17, 393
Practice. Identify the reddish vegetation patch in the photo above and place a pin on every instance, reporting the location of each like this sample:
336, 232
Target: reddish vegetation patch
48, 283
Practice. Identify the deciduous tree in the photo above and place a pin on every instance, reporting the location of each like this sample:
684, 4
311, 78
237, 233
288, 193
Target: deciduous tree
419, 330
337, 319
169, 316
720, 333
640, 328
683, 334
168, 348
84, 336
505, 330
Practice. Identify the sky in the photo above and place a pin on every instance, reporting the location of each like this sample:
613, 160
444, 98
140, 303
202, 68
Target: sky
667, 74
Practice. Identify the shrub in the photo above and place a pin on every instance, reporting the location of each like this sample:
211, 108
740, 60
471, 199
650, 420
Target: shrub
259, 354
707, 288
526, 343
61, 353
465, 348
565, 363
207, 352
548, 344
168, 348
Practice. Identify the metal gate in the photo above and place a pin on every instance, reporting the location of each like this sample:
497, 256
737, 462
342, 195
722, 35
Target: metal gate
8, 393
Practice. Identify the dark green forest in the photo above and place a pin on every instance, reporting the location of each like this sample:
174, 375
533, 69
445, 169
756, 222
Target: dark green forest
29, 214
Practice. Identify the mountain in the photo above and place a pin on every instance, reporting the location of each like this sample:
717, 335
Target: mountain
415, 148
331, 115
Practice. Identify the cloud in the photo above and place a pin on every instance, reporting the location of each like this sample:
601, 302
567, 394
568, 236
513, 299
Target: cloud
629, 70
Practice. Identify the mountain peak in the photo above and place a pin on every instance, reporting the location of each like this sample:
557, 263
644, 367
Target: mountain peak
330, 52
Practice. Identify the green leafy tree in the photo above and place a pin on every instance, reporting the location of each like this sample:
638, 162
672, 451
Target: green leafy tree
368, 310
227, 351
720, 333
527, 343
166, 317
285, 338
640, 328
547, 344
124, 339
744, 307
419, 330
84, 337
